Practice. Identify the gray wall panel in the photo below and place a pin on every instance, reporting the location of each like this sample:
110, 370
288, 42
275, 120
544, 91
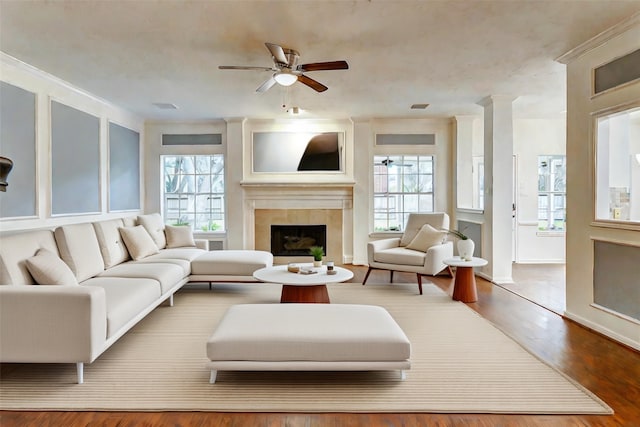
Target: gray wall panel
75, 161
124, 168
18, 143
616, 278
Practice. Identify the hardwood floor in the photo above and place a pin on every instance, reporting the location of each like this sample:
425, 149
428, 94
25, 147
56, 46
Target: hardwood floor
608, 369
543, 284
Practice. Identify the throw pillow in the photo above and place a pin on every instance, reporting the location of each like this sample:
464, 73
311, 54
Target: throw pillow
426, 238
49, 269
139, 243
155, 227
179, 236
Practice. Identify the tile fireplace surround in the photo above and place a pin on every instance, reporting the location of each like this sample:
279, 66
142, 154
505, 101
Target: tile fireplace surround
265, 205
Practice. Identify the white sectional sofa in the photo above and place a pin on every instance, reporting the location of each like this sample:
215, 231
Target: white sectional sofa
105, 293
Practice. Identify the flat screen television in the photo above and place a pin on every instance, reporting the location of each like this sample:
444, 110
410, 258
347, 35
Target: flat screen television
284, 152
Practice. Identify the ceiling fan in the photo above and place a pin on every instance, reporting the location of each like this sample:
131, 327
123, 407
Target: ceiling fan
286, 70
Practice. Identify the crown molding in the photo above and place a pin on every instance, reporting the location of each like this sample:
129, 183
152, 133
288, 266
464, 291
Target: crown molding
600, 39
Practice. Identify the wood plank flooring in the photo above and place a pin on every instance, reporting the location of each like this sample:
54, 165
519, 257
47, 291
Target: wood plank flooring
608, 369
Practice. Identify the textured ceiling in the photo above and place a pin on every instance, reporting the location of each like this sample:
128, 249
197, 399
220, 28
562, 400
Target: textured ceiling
449, 54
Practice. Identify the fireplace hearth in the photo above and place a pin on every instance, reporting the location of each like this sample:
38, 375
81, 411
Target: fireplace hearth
295, 240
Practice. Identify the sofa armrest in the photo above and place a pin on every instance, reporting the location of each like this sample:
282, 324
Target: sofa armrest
380, 245
434, 261
52, 324
202, 244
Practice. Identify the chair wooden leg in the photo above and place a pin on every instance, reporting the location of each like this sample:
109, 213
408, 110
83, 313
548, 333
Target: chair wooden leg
419, 282
366, 276
391, 276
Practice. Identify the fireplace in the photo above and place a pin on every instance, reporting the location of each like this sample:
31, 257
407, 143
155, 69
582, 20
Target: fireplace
295, 240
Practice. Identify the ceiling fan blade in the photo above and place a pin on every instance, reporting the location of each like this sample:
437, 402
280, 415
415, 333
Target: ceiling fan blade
313, 84
321, 66
266, 85
277, 52
240, 67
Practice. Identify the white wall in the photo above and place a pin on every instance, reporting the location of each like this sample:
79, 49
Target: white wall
581, 229
47, 88
365, 149
532, 138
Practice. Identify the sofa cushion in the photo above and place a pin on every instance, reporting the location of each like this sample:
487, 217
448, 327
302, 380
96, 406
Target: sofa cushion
112, 247
426, 238
183, 264
167, 274
138, 242
16, 248
79, 248
155, 227
230, 263
126, 298
187, 254
437, 220
48, 269
130, 221
179, 236
400, 255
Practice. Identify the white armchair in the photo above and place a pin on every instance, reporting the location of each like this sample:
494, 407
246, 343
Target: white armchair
393, 254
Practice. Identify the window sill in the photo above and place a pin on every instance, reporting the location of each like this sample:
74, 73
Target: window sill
216, 234
385, 234
551, 233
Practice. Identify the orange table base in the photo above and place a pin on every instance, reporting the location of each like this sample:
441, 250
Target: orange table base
305, 294
464, 287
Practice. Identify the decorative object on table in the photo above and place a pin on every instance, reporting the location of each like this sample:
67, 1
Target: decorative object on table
293, 268
465, 245
307, 270
330, 270
318, 253
6, 165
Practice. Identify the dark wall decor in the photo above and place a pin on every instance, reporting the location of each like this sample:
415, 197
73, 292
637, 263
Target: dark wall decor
124, 168
297, 151
75, 161
18, 143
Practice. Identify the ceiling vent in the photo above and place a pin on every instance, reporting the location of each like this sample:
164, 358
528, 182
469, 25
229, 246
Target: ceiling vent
419, 106
165, 106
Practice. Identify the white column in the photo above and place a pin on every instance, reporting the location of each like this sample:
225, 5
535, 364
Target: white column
363, 135
498, 187
234, 193
463, 145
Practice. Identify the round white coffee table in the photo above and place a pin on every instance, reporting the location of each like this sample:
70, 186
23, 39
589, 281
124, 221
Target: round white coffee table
303, 288
464, 287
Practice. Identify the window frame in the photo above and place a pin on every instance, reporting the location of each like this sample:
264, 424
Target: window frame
402, 213
631, 107
550, 193
193, 213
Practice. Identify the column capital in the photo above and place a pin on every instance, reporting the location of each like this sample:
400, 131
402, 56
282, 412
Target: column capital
494, 99
465, 118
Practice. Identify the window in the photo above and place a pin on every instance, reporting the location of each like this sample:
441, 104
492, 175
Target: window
402, 184
193, 191
552, 197
618, 166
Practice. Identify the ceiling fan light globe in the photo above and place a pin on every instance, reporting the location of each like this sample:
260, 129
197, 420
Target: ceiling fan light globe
285, 79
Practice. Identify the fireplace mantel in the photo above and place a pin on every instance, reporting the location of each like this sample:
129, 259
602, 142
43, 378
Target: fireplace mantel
299, 197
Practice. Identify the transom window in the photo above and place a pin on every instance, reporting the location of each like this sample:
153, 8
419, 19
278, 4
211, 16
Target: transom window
193, 191
402, 184
552, 196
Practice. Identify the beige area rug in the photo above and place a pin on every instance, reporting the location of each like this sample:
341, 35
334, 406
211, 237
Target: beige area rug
460, 363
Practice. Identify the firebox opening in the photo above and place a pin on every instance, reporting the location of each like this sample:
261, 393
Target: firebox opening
295, 240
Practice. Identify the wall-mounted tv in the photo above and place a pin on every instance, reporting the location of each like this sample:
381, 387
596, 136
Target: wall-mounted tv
283, 152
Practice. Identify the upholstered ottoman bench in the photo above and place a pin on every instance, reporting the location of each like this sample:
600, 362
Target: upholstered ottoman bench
308, 337
229, 266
